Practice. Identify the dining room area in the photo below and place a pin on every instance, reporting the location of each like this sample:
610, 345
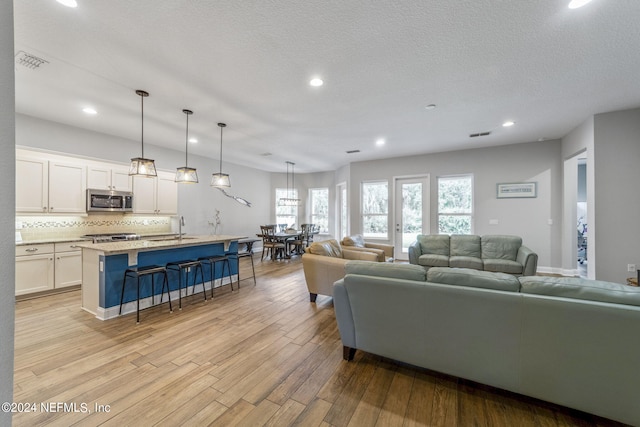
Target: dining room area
284, 241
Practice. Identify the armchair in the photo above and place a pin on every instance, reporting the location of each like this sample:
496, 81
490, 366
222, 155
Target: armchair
323, 263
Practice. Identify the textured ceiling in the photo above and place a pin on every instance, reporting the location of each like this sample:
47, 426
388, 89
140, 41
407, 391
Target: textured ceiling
248, 63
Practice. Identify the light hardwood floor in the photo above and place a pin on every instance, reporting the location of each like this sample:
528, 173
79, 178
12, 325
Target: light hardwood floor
262, 355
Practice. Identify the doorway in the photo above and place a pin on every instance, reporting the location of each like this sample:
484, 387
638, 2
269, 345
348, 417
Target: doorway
411, 212
582, 218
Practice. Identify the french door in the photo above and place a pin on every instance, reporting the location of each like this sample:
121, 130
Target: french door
411, 212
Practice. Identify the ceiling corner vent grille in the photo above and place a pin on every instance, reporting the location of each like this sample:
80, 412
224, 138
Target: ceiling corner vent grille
28, 60
352, 151
475, 135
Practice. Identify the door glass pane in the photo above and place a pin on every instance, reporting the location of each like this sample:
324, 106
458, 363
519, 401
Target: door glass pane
343, 213
411, 213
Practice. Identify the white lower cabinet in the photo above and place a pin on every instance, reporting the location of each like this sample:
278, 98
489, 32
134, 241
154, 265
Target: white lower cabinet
34, 268
47, 266
68, 268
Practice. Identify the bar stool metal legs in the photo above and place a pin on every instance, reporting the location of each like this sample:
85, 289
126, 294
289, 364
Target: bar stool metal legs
184, 266
248, 254
137, 273
213, 260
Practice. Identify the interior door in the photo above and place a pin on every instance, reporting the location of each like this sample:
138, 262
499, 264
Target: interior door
411, 212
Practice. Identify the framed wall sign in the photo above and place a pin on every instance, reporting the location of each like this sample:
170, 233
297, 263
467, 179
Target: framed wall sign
516, 190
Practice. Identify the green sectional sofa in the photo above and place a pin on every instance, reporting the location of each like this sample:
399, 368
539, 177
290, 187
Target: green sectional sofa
497, 253
569, 341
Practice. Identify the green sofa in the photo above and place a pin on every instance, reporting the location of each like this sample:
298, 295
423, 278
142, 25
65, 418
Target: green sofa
565, 340
496, 253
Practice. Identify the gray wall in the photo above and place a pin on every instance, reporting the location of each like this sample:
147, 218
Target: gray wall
7, 207
197, 202
617, 171
529, 218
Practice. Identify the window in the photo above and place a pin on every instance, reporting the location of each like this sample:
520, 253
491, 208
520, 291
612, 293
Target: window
286, 214
455, 204
375, 208
319, 200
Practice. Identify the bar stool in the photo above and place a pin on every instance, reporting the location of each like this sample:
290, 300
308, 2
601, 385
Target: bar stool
137, 273
184, 266
244, 254
213, 260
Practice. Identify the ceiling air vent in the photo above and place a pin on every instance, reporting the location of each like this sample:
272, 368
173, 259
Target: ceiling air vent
28, 60
474, 135
353, 151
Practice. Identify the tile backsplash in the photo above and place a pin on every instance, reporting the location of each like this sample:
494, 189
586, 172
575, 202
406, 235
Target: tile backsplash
53, 227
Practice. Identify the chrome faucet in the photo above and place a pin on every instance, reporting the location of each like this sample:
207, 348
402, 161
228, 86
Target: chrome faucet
180, 224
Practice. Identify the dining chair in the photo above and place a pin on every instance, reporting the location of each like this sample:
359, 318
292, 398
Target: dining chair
307, 233
270, 243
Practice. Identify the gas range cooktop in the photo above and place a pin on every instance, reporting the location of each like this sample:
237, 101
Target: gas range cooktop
111, 237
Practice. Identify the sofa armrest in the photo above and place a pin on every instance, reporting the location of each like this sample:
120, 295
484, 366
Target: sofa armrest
344, 317
359, 254
321, 271
415, 250
529, 261
388, 249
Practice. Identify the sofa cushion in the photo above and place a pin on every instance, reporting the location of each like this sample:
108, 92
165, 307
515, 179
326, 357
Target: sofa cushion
384, 269
435, 244
432, 260
503, 265
329, 247
500, 247
473, 278
465, 245
574, 287
466, 262
356, 240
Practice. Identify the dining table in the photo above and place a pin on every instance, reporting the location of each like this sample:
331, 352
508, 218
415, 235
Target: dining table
284, 236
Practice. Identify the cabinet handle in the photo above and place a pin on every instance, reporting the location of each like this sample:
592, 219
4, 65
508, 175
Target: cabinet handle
73, 246
51, 208
31, 250
44, 208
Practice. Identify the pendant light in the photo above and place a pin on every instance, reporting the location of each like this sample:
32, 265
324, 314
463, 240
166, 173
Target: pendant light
185, 174
220, 179
139, 165
289, 200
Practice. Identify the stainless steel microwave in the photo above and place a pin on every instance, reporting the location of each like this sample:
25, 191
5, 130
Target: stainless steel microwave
109, 201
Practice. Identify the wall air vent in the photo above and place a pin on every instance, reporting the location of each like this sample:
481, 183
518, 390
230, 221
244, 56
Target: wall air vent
475, 135
28, 60
352, 151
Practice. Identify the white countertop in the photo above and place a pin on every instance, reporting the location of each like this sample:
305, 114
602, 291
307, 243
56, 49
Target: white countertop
51, 240
122, 246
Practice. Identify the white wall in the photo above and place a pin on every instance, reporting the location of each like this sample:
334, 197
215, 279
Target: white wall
7, 207
197, 202
528, 218
617, 174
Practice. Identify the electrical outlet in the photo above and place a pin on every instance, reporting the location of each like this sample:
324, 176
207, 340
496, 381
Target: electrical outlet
631, 267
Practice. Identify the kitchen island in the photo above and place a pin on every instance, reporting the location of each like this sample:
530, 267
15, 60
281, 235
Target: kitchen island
104, 264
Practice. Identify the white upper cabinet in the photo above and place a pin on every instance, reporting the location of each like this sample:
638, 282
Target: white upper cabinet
155, 195
105, 176
67, 187
45, 186
32, 185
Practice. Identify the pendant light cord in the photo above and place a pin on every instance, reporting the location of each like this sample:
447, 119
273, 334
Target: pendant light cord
142, 123
220, 148
186, 143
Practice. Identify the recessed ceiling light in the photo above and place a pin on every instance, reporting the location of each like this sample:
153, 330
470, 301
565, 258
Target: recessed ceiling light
430, 106
316, 82
508, 124
89, 110
193, 140
380, 142
574, 4
68, 3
